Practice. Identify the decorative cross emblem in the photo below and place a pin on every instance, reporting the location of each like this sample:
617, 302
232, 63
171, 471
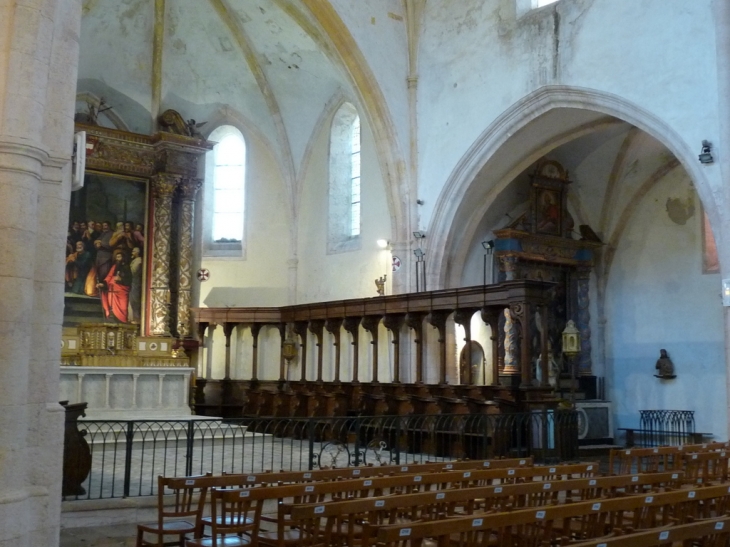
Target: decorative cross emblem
203, 274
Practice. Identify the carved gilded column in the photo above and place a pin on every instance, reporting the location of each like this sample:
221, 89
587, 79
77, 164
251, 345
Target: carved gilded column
188, 189
163, 186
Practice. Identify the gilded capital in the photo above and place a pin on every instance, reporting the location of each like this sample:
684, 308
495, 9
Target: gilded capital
164, 184
189, 187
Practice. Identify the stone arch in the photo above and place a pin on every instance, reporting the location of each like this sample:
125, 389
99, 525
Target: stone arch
456, 217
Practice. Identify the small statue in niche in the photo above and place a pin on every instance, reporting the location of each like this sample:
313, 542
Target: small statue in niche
665, 366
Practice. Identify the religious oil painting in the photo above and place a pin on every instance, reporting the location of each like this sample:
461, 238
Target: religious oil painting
547, 214
105, 251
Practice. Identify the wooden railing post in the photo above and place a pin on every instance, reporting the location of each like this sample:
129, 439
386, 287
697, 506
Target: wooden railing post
316, 328
437, 318
333, 326
352, 325
393, 322
370, 323
415, 322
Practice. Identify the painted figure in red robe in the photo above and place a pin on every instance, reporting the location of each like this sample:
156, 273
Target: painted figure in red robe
114, 289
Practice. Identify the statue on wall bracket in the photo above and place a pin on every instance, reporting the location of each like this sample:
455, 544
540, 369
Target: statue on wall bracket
665, 366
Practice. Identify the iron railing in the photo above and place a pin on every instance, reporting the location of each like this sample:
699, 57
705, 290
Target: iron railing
127, 456
667, 427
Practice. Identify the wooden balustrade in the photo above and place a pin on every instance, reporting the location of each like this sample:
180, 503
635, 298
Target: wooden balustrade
522, 298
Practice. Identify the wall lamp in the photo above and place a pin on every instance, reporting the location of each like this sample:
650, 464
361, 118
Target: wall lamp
488, 246
383, 243
706, 154
419, 235
419, 253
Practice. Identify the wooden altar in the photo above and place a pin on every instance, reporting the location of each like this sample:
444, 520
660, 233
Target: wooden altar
543, 245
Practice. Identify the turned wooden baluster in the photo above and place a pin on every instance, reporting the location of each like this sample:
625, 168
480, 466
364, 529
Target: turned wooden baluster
255, 329
393, 322
333, 327
316, 328
227, 330
202, 327
521, 312
370, 323
463, 318
437, 318
415, 322
491, 317
300, 329
352, 325
282, 334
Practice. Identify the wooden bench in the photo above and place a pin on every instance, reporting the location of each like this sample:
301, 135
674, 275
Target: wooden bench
563, 523
712, 531
343, 518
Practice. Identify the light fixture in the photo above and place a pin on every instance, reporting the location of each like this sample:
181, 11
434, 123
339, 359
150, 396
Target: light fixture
419, 235
383, 243
706, 154
419, 253
571, 339
488, 245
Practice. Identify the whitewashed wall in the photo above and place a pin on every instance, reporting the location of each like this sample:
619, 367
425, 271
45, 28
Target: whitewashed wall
658, 298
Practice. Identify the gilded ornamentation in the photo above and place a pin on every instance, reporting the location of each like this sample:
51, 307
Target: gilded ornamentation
548, 251
129, 157
163, 186
175, 161
188, 189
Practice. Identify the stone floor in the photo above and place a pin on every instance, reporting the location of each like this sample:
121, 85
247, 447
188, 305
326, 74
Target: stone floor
120, 535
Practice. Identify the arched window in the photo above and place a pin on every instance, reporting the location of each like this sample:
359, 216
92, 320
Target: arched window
344, 180
225, 191
541, 3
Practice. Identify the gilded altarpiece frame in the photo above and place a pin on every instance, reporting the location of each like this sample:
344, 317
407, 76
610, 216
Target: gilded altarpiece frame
165, 170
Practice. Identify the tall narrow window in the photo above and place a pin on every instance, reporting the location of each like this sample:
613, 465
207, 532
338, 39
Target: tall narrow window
345, 194
541, 3
355, 181
225, 196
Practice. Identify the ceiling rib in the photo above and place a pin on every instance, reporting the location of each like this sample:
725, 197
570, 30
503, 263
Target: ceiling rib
249, 54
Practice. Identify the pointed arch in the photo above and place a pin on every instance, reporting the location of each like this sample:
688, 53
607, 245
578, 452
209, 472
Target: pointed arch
454, 217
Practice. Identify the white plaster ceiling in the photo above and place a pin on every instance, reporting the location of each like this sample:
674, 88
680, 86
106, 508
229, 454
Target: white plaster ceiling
207, 72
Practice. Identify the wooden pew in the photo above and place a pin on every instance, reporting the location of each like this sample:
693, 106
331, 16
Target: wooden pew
315, 475
582, 520
711, 531
343, 517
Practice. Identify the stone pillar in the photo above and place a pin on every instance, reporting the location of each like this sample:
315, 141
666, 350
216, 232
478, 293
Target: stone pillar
39, 59
163, 186
188, 188
583, 316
